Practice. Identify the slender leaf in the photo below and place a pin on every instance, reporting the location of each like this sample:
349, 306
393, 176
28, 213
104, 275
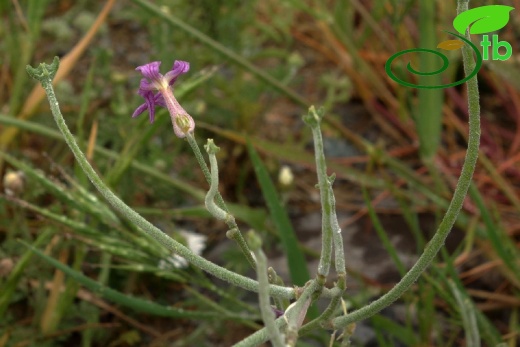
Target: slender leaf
467, 311
122, 299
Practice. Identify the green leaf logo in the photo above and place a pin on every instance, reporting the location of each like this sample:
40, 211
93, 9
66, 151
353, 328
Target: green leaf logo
483, 19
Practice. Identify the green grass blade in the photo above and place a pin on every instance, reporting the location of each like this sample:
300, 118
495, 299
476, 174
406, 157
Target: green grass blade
428, 117
20, 48
381, 233
117, 297
99, 210
395, 330
146, 169
443, 276
500, 241
295, 259
467, 312
8, 287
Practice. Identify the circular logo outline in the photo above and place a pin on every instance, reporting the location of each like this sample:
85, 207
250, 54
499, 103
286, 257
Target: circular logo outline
390, 73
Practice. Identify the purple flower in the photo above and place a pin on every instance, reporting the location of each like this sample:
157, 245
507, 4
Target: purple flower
156, 90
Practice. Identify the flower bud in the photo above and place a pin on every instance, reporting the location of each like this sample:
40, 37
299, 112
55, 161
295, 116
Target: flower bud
285, 176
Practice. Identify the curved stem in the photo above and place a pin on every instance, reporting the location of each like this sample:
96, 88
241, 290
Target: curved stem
454, 208
234, 234
205, 170
215, 210
219, 213
174, 246
295, 313
260, 336
313, 119
329, 311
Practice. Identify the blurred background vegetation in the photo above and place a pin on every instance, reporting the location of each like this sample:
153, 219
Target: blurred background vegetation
256, 66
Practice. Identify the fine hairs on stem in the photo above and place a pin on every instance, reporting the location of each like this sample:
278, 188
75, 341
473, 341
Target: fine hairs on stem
44, 74
266, 310
219, 208
454, 208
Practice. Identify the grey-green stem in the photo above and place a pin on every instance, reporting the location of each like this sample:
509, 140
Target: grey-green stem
205, 170
337, 238
234, 233
296, 312
260, 336
327, 313
134, 217
454, 208
266, 310
215, 210
219, 213
313, 119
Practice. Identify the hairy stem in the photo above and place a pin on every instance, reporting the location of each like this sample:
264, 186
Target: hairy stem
234, 234
313, 119
224, 274
266, 310
454, 208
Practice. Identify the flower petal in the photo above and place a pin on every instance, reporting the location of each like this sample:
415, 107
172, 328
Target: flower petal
151, 71
145, 85
179, 67
140, 109
149, 99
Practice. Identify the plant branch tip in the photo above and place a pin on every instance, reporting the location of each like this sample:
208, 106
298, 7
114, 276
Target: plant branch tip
44, 72
211, 148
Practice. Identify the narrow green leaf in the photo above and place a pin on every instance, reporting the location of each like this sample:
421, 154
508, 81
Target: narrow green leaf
428, 116
399, 332
443, 276
381, 233
9, 286
467, 312
504, 247
122, 299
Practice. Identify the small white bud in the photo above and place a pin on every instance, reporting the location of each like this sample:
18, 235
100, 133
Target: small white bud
14, 183
285, 176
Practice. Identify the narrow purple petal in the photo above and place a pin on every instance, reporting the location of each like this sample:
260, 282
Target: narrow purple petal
179, 67
151, 110
149, 99
151, 71
140, 109
145, 85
